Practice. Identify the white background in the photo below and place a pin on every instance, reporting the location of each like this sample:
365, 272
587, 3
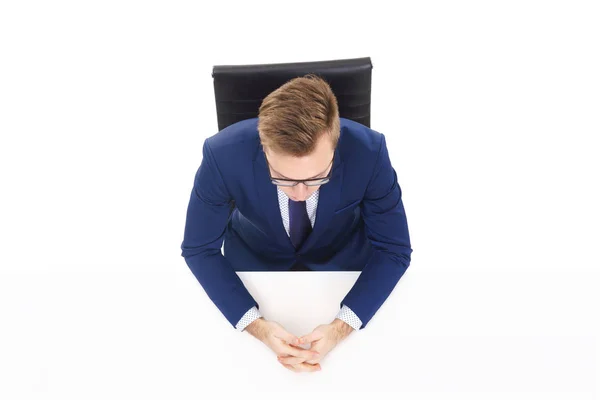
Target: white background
491, 115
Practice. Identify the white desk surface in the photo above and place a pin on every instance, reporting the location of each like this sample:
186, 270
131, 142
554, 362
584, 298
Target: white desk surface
111, 334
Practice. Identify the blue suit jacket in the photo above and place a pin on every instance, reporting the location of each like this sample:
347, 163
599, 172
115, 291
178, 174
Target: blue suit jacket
360, 222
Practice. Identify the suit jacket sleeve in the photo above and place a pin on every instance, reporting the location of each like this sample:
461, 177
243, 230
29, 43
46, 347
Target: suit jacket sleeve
387, 229
208, 213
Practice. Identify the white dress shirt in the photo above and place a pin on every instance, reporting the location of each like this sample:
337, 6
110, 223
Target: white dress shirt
345, 313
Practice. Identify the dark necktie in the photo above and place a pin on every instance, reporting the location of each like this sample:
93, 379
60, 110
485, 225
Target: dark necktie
300, 226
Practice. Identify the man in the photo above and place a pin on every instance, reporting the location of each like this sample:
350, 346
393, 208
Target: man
299, 189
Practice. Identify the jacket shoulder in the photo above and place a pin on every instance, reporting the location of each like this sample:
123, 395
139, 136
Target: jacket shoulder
241, 132
357, 140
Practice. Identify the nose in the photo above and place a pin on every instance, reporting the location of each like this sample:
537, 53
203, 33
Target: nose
300, 192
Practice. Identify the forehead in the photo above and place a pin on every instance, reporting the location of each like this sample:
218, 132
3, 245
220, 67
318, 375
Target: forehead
300, 167
304, 167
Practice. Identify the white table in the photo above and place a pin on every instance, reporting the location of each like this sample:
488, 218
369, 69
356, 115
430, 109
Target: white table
154, 332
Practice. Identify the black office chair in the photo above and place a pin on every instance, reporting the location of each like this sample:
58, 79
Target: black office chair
240, 89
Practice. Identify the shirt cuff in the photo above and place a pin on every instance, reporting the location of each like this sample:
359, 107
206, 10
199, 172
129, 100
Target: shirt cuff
348, 316
251, 315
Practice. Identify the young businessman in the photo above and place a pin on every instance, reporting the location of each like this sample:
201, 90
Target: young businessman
297, 189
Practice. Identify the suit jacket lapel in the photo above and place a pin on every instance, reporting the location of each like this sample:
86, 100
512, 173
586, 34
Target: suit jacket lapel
268, 200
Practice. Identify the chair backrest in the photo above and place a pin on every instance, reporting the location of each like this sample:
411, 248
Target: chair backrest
240, 89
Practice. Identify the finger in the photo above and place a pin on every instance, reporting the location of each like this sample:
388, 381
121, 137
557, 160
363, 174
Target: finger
311, 337
291, 368
306, 354
303, 367
299, 346
296, 360
300, 368
286, 336
290, 360
316, 359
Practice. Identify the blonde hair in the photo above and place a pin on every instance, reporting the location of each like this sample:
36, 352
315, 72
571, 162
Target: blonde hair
294, 116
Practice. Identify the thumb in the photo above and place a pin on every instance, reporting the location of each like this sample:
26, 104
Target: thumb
285, 335
311, 337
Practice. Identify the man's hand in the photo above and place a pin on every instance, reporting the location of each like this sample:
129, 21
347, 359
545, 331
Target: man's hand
322, 339
284, 344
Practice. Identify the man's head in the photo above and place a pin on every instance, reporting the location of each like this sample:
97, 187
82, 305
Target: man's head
299, 128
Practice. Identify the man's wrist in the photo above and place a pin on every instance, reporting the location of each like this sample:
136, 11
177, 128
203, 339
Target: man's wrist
341, 328
257, 329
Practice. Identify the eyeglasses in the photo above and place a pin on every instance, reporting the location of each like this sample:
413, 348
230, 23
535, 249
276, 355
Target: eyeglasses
307, 182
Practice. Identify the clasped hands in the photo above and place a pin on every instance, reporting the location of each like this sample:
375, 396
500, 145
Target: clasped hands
288, 347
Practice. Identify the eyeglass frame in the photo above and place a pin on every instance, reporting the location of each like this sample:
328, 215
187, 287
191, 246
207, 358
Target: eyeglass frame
297, 181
